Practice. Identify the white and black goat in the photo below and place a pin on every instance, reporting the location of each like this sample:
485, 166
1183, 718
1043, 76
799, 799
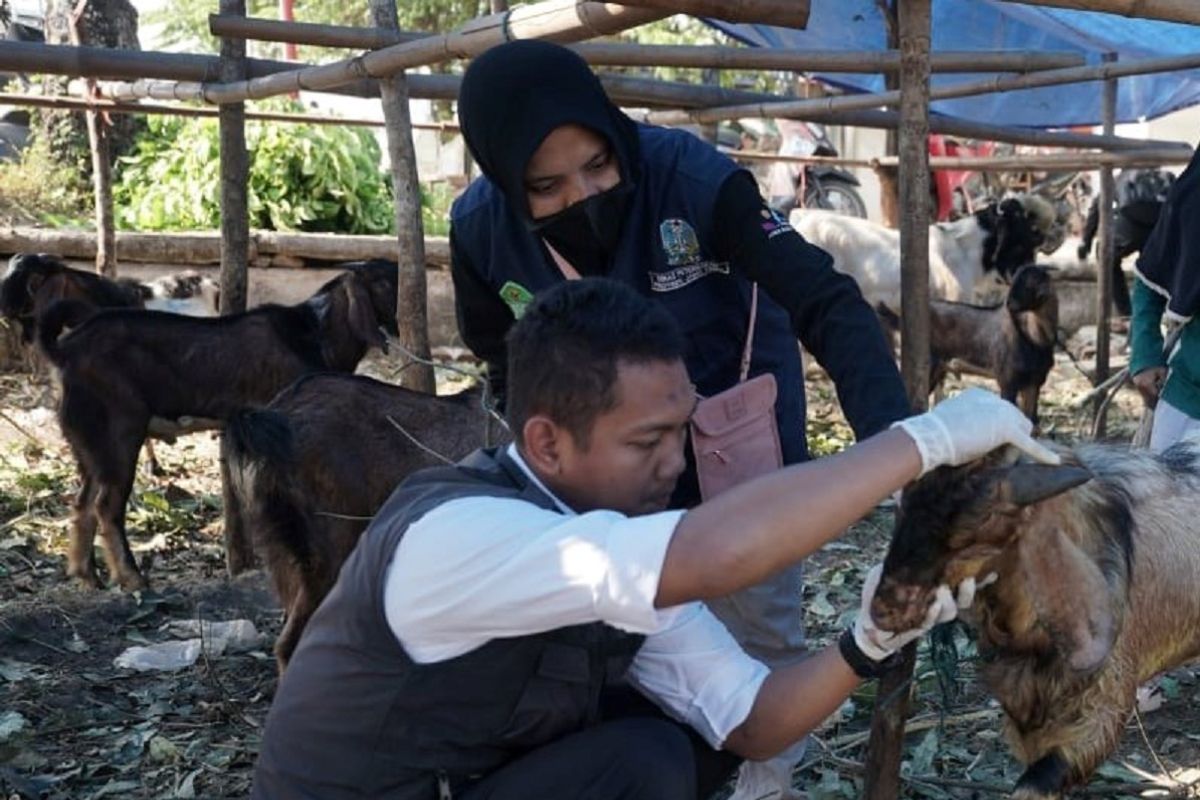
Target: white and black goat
965, 256
33, 282
307, 473
1097, 560
123, 370
1012, 342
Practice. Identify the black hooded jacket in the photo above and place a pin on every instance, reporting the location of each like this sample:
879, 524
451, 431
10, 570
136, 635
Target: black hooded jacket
513, 96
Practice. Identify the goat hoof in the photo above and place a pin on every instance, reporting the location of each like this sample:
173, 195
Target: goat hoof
86, 577
133, 583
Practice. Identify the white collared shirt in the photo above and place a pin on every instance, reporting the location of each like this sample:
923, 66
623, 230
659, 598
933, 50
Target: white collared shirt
480, 568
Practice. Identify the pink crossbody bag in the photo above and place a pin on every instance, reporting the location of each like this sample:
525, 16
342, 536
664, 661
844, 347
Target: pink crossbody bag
734, 433
735, 436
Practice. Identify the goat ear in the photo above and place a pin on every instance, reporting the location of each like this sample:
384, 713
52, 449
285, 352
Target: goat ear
1070, 595
1026, 484
361, 313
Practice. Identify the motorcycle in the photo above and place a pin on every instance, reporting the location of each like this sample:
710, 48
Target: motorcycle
793, 185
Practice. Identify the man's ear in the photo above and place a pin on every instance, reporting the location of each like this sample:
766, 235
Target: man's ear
542, 444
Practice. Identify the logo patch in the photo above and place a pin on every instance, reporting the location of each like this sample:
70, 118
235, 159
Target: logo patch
516, 297
679, 242
774, 223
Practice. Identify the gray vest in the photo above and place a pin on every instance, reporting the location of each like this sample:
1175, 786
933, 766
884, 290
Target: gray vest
355, 717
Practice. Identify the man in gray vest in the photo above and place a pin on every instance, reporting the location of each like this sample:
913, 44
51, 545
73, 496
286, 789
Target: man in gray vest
481, 639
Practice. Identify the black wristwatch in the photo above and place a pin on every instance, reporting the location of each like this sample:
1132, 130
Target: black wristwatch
863, 666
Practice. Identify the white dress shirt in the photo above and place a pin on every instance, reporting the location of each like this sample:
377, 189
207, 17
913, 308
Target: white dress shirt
480, 568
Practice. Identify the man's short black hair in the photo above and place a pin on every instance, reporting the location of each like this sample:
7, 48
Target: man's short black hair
563, 352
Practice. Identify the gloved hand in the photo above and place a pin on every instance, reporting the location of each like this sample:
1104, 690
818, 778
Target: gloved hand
970, 425
878, 644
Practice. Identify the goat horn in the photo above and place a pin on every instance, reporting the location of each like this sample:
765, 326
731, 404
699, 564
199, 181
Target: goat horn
1026, 484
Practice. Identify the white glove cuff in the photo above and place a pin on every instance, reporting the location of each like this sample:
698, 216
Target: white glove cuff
932, 439
869, 648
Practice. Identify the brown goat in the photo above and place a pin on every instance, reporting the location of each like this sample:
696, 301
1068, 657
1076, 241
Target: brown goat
120, 370
308, 472
1012, 343
1097, 561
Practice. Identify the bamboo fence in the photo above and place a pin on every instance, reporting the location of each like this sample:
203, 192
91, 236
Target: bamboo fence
695, 56
998, 83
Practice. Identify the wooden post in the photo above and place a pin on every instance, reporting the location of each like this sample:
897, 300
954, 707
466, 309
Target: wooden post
1106, 254
97, 128
892, 697
499, 5
889, 183
235, 175
411, 316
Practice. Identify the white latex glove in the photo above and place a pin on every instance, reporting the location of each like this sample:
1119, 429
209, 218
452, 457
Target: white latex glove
877, 644
970, 425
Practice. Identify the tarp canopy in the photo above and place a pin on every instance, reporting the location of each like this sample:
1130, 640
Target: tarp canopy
992, 25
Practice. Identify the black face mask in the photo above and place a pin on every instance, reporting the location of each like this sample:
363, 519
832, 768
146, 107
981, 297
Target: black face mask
586, 233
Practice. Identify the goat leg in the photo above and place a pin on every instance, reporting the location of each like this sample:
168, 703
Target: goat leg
110, 508
152, 460
1044, 779
81, 556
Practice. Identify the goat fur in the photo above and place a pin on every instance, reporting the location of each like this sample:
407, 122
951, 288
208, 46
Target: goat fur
966, 256
1098, 562
1012, 342
119, 369
309, 471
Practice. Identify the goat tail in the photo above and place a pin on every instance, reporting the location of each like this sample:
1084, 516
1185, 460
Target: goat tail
62, 314
260, 453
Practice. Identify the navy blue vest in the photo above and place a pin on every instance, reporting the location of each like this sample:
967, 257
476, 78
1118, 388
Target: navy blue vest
355, 717
666, 252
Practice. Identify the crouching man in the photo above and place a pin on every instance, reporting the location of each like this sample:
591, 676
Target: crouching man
481, 639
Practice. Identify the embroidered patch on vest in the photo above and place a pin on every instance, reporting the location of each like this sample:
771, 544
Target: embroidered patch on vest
517, 297
679, 242
679, 277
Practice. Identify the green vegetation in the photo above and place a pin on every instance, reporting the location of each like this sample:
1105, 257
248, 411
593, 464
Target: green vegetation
40, 189
302, 178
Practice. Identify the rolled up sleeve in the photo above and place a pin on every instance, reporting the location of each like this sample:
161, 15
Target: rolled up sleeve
696, 673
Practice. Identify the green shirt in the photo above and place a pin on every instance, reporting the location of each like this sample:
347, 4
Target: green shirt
1182, 389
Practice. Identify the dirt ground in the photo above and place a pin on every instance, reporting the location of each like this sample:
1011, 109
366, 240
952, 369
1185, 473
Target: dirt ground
74, 725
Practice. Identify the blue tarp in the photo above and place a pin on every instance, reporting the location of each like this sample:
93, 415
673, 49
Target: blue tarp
992, 25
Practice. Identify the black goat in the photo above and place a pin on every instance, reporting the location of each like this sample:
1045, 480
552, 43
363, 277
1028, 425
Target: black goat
122, 369
307, 473
1013, 342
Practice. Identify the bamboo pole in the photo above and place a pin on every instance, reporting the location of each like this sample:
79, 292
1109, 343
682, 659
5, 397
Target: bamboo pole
561, 20
100, 149
698, 56
882, 780
235, 175
1167, 10
204, 248
783, 13
998, 83
1031, 161
411, 311
1107, 253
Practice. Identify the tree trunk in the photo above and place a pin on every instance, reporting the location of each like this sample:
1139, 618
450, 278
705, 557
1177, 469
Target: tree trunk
103, 23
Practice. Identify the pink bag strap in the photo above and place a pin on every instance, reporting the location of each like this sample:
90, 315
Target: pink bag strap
745, 370
564, 266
